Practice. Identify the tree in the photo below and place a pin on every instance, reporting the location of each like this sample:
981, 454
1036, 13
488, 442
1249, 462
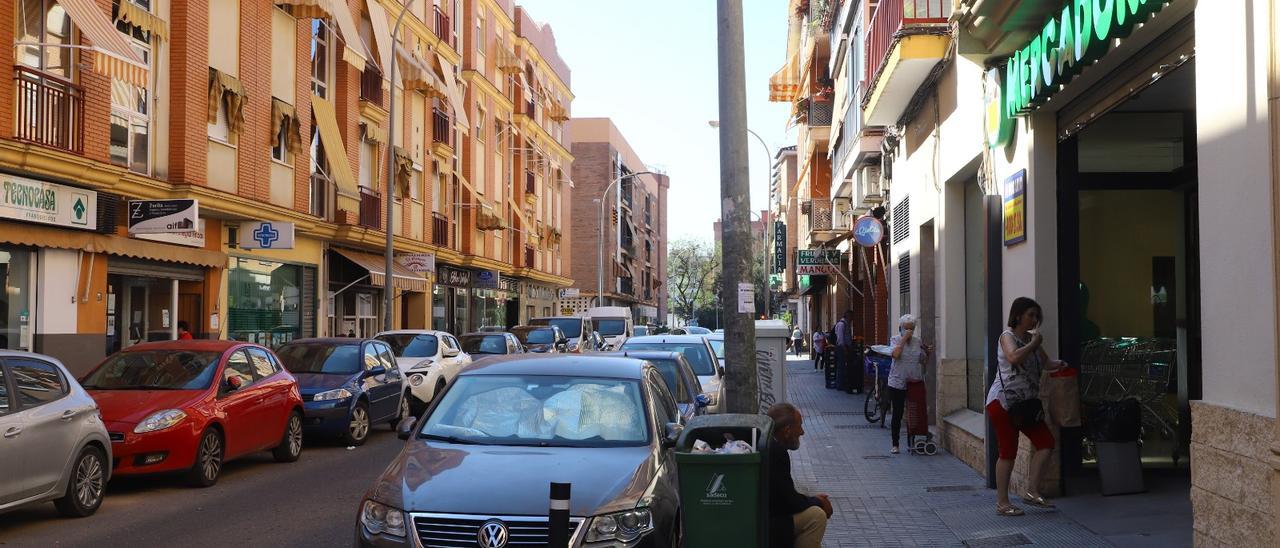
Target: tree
690, 267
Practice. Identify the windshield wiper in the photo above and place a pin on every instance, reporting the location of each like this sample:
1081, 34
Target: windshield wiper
452, 439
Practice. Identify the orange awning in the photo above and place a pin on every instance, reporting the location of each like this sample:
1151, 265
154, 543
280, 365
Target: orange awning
114, 56
354, 51
92, 242
401, 277
331, 138
785, 84
455, 94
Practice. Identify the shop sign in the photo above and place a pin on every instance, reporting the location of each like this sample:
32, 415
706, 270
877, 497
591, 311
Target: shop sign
162, 216
1015, 208
569, 292
508, 284
486, 279
418, 263
195, 238
456, 277
867, 231
35, 201
999, 124
1082, 33
817, 261
266, 235
539, 292
779, 247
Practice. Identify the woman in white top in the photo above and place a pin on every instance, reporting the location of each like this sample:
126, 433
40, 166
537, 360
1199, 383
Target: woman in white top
796, 338
909, 354
1021, 361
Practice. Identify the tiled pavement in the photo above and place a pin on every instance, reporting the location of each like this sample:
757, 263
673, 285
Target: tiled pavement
886, 500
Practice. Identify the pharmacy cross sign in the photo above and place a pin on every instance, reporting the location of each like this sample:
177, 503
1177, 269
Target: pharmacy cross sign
266, 235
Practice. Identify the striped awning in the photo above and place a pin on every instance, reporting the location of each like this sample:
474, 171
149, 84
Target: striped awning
401, 277
134, 15
418, 76
508, 62
354, 51
331, 138
455, 94
381, 33
785, 84
114, 56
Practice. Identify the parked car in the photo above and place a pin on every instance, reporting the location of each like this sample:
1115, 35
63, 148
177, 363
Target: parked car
689, 330
698, 351
640, 330
192, 405
614, 324
490, 344
509, 426
717, 346
541, 339
576, 328
348, 385
54, 445
428, 359
680, 378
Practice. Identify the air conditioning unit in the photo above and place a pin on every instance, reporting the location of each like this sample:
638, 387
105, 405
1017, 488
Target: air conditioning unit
868, 193
841, 213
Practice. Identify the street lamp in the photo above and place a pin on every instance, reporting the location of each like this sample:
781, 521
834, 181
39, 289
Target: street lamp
764, 221
600, 242
390, 301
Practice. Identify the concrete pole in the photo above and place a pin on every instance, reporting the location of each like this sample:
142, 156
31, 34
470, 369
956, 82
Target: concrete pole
388, 287
741, 389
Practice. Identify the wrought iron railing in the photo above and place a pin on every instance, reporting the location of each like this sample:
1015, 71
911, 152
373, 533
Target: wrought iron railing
439, 230
370, 208
371, 85
819, 214
890, 17
49, 110
441, 132
444, 28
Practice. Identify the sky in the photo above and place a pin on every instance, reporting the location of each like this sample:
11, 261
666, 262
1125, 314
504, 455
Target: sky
650, 65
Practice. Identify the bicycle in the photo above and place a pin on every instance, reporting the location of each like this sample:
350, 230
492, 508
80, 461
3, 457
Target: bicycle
876, 406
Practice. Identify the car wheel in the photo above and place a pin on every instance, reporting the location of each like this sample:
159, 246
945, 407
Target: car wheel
86, 485
404, 411
358, 427
290, 447
208, 465
440, 385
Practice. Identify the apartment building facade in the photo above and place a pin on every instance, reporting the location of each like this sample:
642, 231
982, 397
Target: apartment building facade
269, 123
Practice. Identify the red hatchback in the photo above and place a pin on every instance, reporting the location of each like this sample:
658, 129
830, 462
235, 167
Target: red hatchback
191, 405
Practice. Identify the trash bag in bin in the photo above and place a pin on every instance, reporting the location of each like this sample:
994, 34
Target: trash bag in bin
1116, 421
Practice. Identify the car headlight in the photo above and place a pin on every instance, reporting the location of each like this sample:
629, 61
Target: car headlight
424, 364
159, 421
417, 379
620, 526
379, 518
339, 394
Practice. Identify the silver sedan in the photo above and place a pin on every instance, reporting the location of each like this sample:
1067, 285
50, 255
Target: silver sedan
52, 442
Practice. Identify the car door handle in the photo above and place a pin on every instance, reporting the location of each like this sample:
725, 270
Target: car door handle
69, 414
13, 432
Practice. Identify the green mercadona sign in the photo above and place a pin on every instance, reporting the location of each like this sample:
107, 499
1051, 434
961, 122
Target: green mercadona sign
1081, 34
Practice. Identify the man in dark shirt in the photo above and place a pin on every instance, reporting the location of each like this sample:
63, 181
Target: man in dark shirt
795, 520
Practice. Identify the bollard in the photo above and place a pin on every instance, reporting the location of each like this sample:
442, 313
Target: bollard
558, 516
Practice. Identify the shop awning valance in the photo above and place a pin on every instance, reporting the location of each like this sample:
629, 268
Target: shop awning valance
455, 95
372, 133
401, 277
283, 115
331, 138
226, 90
416, 75
508, 62
785, 84
134, 15
114, 56
354, 51
92, 242
487, 219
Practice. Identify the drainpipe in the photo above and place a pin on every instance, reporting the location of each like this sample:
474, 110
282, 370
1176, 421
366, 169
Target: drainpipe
1273, 101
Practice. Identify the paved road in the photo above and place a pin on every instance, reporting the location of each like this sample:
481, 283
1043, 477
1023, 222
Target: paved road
257, 502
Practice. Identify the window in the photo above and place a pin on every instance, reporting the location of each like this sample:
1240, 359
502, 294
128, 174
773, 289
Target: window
4, 393
261, 361
319, 160
44, 22
371, 358
368, 164
238, 366
664, 406
415, 183
388, 359
321, 58
220, 131
481, 38
279, 150
481, 116
36, 382
131, 108
441, 195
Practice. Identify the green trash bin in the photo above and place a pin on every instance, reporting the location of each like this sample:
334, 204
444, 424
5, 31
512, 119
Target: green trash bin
722, 496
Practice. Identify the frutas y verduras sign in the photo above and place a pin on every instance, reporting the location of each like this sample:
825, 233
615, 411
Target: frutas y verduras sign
1082, 33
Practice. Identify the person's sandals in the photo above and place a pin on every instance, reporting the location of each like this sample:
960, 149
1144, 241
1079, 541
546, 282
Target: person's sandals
1008, 510
1035, 500
894, 450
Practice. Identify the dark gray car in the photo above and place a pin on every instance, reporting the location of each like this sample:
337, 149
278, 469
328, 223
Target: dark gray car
486, 452
680, 378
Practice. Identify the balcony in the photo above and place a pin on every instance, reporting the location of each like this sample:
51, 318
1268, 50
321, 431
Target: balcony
444, 29
439, 230
441, 132
370, 208
49, 110
820, 113
371, 85
529, 255
530, 184
322, 197
626, 286
907, 38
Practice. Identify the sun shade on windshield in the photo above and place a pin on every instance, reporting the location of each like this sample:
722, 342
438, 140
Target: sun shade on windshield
155, 370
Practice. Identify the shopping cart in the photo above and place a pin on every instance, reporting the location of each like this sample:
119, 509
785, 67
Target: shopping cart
1112, 369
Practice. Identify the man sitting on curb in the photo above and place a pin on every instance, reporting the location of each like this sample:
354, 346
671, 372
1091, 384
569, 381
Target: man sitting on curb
794, 519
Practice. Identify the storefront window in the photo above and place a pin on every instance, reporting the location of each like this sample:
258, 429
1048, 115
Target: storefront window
460, 312
15, 302
267, 303
490, 309
440, 308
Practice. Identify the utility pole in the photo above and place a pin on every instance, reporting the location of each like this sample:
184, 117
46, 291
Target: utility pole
735, 210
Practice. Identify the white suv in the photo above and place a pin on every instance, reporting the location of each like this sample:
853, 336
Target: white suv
429, 359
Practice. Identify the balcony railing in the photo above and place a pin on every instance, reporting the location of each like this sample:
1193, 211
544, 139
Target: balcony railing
322, 197
530, 184
529, 256
820, 113
370, 208
371, 85
626, 286
49, 110
444, 28
441, 132
819, 214
439, 230
531, 108
892, 16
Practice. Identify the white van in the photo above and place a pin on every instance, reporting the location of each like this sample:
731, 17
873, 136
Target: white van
613, 323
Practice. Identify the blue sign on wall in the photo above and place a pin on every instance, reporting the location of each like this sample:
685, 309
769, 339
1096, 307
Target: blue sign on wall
868, 231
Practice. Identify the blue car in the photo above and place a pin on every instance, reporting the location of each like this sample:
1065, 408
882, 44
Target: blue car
348, 385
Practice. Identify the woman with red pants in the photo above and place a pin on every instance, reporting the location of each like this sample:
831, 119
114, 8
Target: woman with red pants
1012, 399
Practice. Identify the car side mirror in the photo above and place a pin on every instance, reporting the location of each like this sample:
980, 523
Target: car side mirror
404, 428
375, 371
234, 383
720, 368
703, 400
673, 431
450, 353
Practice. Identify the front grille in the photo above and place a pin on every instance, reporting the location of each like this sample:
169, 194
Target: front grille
116, 436
461, 530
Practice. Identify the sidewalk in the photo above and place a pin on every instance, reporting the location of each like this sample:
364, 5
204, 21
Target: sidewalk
902, 500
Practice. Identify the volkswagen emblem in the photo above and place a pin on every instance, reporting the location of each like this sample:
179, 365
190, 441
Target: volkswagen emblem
493, 534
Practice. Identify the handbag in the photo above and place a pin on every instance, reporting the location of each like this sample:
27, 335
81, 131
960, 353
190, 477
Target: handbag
1023, 413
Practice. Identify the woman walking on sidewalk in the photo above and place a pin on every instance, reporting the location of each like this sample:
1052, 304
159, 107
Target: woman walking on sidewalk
1013, 403
909, 354
796, 339
818, 348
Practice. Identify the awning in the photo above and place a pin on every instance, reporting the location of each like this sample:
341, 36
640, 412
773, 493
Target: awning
455, 95
331, 138
354, 51
507, 61
374, 134
381, 33
401, 277
283, 115
134, 15
115, 57
415, 74
785, 84
92, 242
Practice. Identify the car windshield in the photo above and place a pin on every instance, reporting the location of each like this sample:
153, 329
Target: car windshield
611, 328
640, 330
335, 359
694, 352
540, 410
484, 344
670, 370
154, 370
572, 327
410, 345
717, 345
540, 336
695, 330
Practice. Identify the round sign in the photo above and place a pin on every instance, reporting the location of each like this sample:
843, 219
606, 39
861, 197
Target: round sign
868, 231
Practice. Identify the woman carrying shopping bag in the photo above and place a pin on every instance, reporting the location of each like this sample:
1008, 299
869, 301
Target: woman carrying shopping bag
1013, 403
909, 354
